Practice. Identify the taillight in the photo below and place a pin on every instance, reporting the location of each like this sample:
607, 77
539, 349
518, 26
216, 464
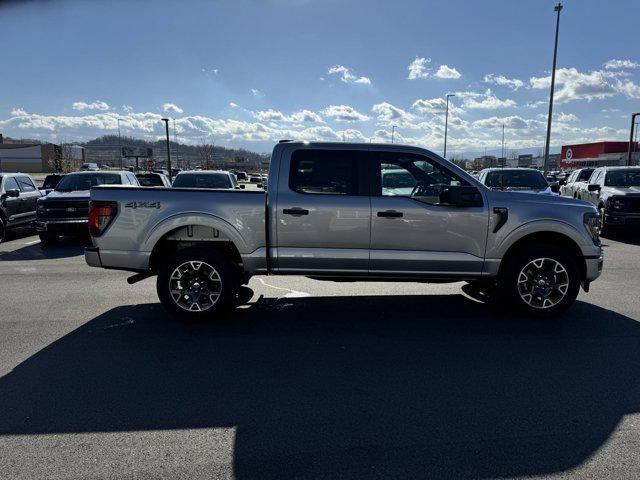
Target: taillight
100, 216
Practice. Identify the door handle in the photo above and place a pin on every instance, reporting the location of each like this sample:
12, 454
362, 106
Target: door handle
390, 214
295, 211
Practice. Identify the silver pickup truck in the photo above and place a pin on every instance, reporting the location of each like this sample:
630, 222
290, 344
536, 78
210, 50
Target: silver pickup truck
346, 212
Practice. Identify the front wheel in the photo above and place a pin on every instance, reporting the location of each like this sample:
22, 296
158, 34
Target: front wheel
47, 239
3, 231
541, 280
197, 284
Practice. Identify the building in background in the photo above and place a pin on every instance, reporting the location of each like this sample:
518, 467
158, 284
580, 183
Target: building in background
598, 154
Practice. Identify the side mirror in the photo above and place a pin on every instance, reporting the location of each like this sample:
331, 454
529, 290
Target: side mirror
13, 193
461, 196
592, 187
259, 185
242, 186
555, 188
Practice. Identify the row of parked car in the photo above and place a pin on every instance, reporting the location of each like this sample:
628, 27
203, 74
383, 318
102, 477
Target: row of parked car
61, 206
615, 190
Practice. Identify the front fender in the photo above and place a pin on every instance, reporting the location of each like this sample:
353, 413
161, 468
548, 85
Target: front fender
192, 219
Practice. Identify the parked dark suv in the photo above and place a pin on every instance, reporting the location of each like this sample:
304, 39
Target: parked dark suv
18, 196
65, 211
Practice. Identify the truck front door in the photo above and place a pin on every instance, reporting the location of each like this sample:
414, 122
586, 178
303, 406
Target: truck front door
412, 232
323, 213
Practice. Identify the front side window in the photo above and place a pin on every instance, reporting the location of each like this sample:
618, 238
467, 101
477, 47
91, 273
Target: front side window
202, 180
324, 172
414, 176
26, 185
584, 175
11, 184
623, 178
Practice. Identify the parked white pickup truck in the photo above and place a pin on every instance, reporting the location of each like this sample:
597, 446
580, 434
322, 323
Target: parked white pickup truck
333, 212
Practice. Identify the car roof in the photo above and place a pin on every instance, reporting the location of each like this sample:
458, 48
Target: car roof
205, 171
621, 167
116, 172
510, 169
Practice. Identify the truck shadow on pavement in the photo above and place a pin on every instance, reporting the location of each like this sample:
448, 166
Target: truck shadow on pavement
380, 386
36, 251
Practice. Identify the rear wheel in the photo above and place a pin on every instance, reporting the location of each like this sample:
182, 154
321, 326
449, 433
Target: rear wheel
541, 280
197, 284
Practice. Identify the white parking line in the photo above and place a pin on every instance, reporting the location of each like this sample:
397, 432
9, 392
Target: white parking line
291, 294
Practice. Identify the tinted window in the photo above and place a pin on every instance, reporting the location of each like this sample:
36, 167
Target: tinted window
148, 180
516, 179
410, 175
51, 181
26, 185
324, 172
202, 180
623, 178
11, 184
84, 181
584, 175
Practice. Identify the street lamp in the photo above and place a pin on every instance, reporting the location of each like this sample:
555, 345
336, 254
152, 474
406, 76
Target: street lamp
166, 126
557, 9
446, 123
633, 126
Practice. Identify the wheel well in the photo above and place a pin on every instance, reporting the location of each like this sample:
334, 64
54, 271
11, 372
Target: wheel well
553, 238
167, 246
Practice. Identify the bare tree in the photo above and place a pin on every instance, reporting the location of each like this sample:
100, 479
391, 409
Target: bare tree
205, 152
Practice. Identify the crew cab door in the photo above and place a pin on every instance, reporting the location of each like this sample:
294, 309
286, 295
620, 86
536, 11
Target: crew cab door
323, 213
29, 195
597, 178
412, 232
13, 206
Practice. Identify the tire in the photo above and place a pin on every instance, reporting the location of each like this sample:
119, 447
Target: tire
534, 280
211, 289
3, 230
47, 239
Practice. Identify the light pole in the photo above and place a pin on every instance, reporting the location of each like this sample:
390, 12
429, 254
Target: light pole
166, 126
446, 124
119, 142
633, 126
557, 9
393, 132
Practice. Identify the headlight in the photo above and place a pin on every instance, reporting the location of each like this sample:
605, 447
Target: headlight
591, 221
616, 203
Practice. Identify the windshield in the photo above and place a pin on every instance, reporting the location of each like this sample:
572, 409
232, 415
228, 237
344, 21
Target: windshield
525, 179
623, 178
83, 181
202, 180
51, 181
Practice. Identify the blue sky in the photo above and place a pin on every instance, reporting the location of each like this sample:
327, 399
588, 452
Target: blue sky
249, 72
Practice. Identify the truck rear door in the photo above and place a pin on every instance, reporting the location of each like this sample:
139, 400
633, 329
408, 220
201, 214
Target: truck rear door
323, 215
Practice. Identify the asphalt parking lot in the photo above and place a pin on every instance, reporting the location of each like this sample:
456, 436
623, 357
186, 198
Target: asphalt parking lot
312, 379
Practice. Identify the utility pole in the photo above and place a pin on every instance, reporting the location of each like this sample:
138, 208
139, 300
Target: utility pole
633, 126
504, 160
120, 143
446, 124
557, 9
175, 139
166, 126
393, 131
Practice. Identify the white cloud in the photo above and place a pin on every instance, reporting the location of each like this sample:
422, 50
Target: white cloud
300, 116
344, 113
127, 108
565, 117
97, 105
619, 64
627, 87
234, 105
536, 104
435, 106
574, 85
512, 83
444, 71
256, 93
347, 76
418, 68
388, 114
171, 107
512, 122
486, 100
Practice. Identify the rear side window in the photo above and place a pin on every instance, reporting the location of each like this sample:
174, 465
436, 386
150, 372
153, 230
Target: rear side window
324, 172
26, 185
584, 175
